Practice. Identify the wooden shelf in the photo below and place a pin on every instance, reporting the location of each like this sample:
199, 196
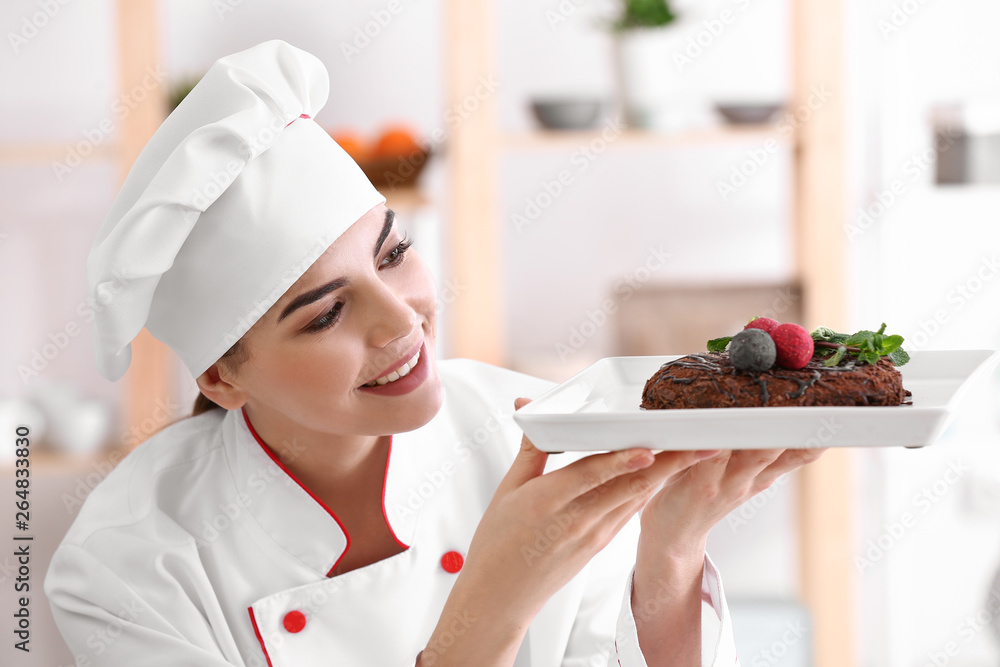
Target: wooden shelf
722, 134
48, 462
46, 153
405, 199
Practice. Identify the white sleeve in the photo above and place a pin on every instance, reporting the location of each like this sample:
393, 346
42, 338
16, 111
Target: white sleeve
718, 648
605, 624
106, 623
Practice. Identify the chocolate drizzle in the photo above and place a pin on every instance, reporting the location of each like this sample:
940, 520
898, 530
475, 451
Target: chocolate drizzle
803, 384
762, 381
705, 362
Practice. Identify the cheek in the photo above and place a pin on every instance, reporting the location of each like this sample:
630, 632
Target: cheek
317, 365
420, 288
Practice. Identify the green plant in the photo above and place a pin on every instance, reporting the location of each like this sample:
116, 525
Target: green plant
644, 14
179, 89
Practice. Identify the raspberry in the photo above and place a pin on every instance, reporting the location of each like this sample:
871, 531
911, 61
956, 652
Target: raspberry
794, 346
763, 323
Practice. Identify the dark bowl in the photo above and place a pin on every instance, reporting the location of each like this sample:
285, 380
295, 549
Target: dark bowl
748, 114
395, 172
568, 113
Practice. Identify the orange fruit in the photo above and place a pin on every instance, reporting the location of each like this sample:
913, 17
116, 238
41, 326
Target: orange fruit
396, 141
353, 144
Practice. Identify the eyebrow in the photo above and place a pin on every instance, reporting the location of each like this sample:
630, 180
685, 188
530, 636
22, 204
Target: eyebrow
315, 295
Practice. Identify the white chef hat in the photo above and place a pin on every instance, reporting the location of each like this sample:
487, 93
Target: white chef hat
233, 198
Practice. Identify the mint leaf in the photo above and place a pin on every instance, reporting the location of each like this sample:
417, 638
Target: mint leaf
858, 338
822, 333
828, 335
837, 356
719, 344
867, 346
899, 356
868, 356
890, 344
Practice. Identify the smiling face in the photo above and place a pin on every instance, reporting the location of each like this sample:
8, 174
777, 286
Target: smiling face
365, 307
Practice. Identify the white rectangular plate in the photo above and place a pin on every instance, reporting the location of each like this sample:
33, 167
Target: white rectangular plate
598, 409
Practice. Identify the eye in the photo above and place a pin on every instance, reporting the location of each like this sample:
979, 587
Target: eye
329, 319
395, 257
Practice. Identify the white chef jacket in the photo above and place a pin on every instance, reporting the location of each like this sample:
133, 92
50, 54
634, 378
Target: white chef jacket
200, 548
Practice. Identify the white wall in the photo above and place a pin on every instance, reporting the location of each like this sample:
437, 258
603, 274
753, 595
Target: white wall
910, 262
626, 202
59, 84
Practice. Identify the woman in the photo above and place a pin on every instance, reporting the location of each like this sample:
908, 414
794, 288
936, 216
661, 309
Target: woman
340, 496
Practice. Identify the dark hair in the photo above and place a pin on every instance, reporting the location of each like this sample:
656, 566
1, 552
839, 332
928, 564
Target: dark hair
234, 357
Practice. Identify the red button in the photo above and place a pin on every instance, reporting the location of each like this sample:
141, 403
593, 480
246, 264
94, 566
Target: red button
452, 562
295, 621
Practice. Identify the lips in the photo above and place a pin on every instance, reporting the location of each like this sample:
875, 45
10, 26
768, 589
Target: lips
400, 372
404, 385
399, 369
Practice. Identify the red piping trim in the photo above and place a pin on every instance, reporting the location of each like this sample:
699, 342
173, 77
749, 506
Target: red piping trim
385, 477
267, 450
256, 631
305, 115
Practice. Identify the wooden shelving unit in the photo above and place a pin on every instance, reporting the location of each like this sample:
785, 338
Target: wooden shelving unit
48, 462
46, 154
561, 139
825, 524
406, 199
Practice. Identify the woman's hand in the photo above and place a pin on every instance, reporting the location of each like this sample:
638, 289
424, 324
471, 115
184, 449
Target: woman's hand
537, 533
666, 594
685, 509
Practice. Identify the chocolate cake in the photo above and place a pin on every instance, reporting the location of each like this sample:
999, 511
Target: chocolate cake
709, 380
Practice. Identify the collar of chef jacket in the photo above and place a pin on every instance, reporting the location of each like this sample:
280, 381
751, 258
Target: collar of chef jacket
444, 472
298, 521
311, 532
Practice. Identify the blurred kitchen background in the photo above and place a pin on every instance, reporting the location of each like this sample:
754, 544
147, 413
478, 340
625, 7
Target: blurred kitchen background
582, 189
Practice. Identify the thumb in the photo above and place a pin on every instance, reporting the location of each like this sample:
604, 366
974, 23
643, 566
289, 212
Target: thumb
529, 462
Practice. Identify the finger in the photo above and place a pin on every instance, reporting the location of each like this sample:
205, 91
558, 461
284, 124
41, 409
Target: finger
614, 519
790, 460
576, 479
529, 462
619, 517
705, 479
701, 455
745, 465
714, 467
601, 530
642, 483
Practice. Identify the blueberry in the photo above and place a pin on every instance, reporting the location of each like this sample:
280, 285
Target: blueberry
752, 350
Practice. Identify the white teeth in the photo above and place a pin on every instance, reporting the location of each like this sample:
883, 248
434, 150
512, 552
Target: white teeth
402, 371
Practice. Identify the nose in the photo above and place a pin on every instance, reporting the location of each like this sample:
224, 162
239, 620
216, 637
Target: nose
389, 316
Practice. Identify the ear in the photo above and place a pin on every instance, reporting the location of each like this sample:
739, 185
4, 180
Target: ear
220, 390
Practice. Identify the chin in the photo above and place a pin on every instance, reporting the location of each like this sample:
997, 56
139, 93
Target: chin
424, 410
